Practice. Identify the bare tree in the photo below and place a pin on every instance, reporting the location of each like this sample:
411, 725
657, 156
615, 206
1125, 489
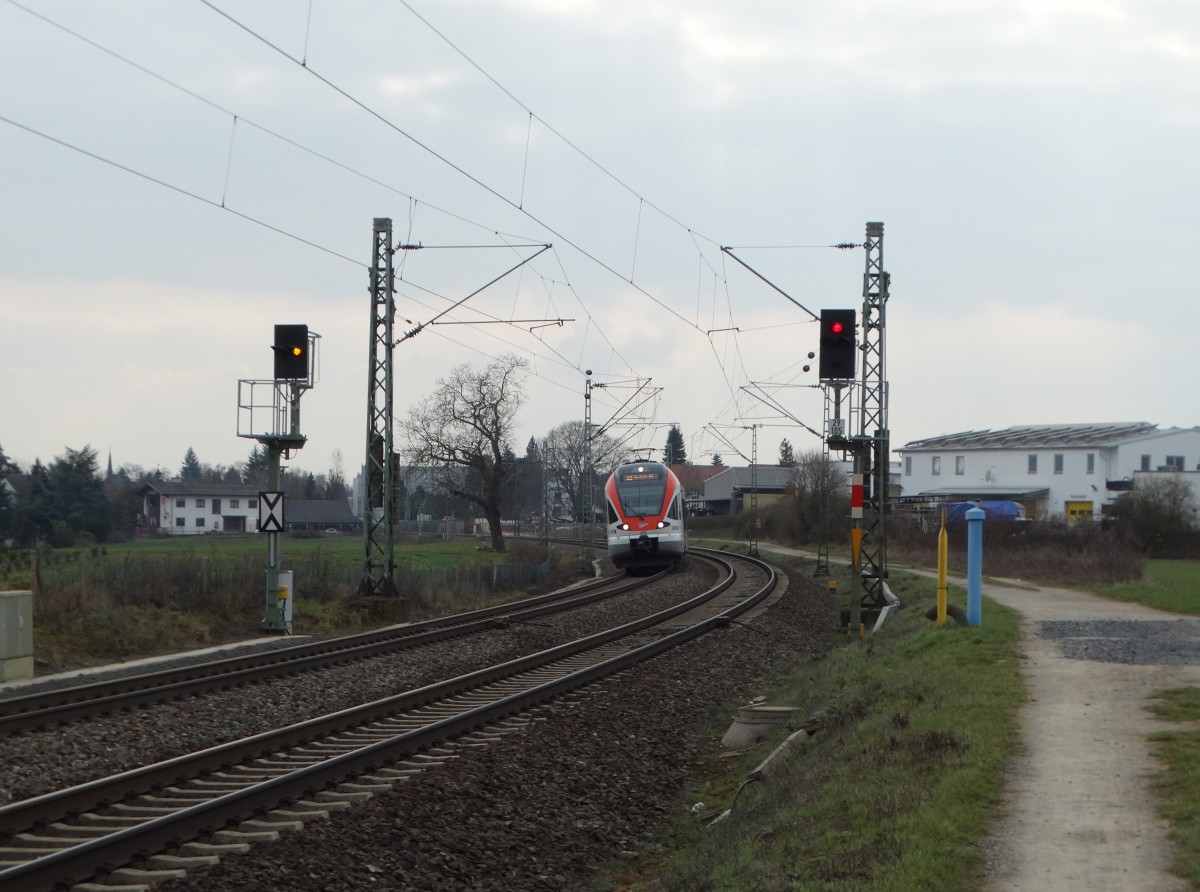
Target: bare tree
564, 453
461, 432
335, 487
816, 483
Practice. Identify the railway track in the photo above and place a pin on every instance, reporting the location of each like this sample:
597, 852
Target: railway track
302, 771
48, 708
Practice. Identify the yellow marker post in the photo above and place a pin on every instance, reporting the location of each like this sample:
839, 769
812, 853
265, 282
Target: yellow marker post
943, 558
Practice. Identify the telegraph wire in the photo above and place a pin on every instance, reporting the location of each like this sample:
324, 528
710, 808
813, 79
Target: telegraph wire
455, 167
179, 190
694, 235
302, 62
247, 121
534, 116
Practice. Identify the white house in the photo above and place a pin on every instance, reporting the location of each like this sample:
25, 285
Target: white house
180, 508
1059, 472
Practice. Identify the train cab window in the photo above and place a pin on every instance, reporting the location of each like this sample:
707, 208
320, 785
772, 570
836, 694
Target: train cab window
612, 514
673, 512
641, 491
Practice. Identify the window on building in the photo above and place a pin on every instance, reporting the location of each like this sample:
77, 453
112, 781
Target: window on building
1033, 463
199, 503
1058, 463
936, 465
1175, 462
199, 521
1145, 463
251, 503
234, 503
1091, 463
960, 464
908, 466
180, 503
179, 522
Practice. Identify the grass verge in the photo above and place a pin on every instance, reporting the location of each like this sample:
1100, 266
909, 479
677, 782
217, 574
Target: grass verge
896, 789
1165, 585
1178, 783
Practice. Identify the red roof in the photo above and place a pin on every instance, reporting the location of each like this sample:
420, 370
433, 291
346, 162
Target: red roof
693, 476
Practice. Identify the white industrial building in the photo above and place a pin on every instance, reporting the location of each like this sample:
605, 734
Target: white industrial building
1057, 472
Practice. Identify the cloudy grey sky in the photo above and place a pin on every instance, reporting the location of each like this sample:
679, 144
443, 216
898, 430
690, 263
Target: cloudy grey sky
180, 175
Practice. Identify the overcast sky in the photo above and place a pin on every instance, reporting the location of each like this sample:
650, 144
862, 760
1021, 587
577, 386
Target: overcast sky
178, 176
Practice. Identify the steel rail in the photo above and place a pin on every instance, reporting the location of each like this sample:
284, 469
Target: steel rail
123, 846
43, 709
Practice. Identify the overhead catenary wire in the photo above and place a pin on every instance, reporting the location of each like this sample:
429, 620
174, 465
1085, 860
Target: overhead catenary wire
733, 350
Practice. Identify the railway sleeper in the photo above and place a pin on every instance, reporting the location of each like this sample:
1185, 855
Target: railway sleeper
108, 821
86, 831
181, 862
334, 796
221, 785
248, 837
38, 841
359, 787
311, 805
255, 825
145, 812
133, 876
399, 774
214, 849
287, 814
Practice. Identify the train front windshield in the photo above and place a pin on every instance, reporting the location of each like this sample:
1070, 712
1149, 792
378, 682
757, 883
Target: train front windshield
641, 491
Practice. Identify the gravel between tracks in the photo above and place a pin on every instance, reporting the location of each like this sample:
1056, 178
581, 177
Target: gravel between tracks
42, 761
543, 808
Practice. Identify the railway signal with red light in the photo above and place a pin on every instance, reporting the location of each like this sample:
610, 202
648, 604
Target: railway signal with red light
291, 352
839, 345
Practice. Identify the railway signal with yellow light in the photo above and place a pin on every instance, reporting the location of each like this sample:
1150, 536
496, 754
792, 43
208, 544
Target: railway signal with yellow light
291, 352
839, 345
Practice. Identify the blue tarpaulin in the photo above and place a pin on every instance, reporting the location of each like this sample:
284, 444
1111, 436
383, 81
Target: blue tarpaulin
993, 510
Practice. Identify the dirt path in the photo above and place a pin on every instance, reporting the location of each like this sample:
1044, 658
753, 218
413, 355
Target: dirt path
1079, 814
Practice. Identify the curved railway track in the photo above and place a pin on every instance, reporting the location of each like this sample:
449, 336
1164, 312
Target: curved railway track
67, 836
46, 708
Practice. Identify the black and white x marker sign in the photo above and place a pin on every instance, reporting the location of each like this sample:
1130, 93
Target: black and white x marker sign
270, 512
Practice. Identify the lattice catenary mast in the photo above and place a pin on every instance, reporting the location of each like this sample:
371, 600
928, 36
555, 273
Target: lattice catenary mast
874, 439
379, 468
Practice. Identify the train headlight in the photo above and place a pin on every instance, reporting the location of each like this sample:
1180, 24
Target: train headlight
661, 524
624, 526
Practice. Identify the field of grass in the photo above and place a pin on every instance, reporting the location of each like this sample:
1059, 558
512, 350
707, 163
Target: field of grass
894, 792
1166, 585
341, 551
160, 596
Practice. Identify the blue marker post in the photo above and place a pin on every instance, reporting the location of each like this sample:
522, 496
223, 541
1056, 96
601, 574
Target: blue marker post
975, 566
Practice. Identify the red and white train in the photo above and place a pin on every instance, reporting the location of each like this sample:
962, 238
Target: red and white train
645, 516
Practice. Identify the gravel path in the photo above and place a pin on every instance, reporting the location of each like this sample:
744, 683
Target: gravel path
1079, 814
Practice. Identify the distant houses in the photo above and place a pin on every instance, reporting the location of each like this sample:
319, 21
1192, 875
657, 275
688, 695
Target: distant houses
180, 508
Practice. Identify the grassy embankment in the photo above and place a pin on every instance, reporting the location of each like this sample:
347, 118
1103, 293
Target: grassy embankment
898, 787
893, 791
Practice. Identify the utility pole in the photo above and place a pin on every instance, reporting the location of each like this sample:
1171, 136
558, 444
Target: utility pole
873, 427
588, 471
379, 484
755, 523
